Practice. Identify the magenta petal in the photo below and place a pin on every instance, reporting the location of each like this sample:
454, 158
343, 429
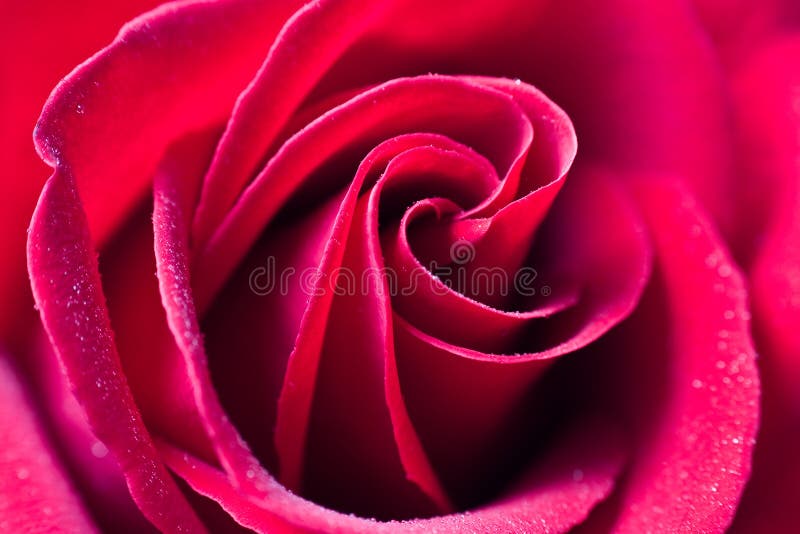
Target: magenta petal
63, 269
54, 38
361, 450
310, 42
174, 188
171, 71
445, 105
554, 495
693, 466
35, 494
769, 120
608, 262
302, 367
94, 471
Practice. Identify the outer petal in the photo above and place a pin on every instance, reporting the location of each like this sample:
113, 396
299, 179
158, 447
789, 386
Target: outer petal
35, 494
95, 472
554, 495
768, 105
42, 41
695, 458
169, 72
66, 286
738, 27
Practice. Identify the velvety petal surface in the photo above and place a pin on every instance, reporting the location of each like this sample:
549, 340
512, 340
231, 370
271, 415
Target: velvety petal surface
35, 493
555, 494
44, 41
66, 286
695, 456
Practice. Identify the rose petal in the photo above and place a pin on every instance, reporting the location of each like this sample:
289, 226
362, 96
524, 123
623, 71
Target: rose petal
94, 472
644, 86
73, 31
35, 493
608, 259
768, 105
295, 403
174, 188
695, 458
445, 105
153, 367
171, 71
738, 27
356, 376
64, 276
555, 494
257, 317
309, 42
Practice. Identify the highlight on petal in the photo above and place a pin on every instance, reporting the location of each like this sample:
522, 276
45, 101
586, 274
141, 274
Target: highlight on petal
176, 184
95, 473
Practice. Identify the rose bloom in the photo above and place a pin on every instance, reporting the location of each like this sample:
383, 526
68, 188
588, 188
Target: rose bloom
400, 266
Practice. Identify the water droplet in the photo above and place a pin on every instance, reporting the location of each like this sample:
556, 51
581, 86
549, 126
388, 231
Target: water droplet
99, 450
697, 383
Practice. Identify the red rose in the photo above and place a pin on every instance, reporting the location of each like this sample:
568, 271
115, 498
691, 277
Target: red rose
398, 288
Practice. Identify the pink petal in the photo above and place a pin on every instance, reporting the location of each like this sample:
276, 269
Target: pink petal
608, 259
300, 379
445, 105
769, 122
95, 472
175, 186
54, 38
309, 43
694, 459
63, 269
554, 495
35, 493
169, 72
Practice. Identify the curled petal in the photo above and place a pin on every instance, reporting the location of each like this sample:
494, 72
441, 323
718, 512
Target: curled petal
66, 286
